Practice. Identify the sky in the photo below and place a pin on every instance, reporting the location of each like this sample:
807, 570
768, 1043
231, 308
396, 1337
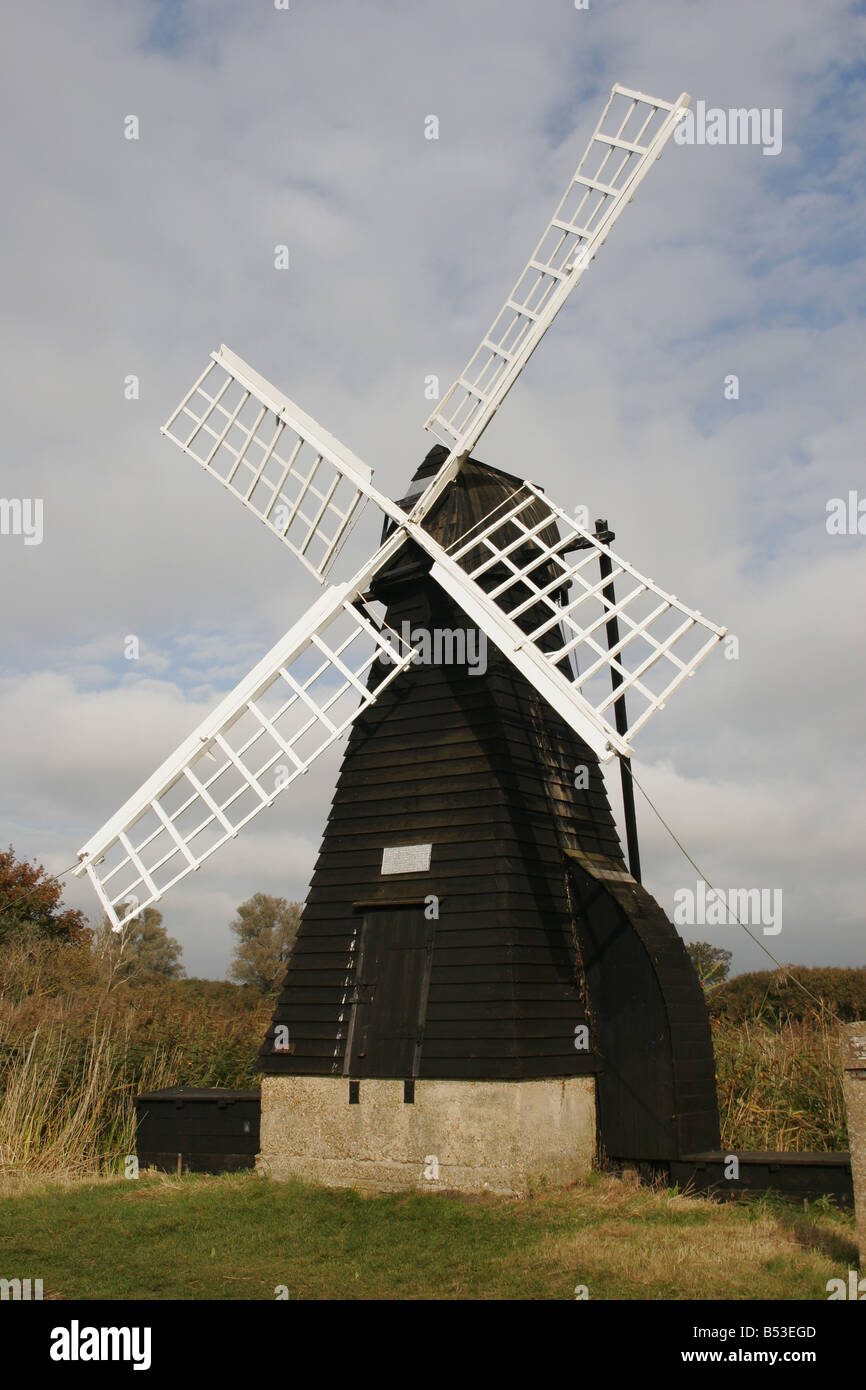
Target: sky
305, 127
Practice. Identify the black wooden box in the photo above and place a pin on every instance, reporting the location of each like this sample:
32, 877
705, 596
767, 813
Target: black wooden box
200, 1130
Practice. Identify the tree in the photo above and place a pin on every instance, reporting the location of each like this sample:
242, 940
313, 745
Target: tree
142, 947
266, 929
793, 992
712, 963
30, 897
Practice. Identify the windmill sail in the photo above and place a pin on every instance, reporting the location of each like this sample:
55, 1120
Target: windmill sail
631, 134
269, 730
553, 613
295, 477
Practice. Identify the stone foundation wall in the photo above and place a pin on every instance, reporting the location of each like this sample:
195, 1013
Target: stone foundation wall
470, 1136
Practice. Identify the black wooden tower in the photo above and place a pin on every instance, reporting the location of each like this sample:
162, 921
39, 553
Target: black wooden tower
471, 916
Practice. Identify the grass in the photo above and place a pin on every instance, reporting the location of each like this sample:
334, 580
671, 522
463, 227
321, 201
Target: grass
73, 1054
67, 1102
239, 1236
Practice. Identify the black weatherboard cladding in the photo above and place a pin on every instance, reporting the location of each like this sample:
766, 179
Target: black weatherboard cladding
530, 879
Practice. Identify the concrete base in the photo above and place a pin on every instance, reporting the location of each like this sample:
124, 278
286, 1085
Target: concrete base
471, 1136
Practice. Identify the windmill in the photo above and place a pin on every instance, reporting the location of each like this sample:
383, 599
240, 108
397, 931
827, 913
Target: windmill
479, 983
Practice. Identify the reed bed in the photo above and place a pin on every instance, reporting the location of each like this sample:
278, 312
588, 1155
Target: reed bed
780, 1084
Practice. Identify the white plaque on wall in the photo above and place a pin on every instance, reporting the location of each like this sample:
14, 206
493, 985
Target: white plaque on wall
406, 859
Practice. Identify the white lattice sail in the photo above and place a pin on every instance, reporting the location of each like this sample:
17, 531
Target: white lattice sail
544, 572
299, 480
299, 700
630, 135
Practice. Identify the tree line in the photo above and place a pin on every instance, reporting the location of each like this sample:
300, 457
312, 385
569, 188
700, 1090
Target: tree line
32, 913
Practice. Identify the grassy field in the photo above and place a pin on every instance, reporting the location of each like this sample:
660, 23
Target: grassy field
73, 1054
241, 1236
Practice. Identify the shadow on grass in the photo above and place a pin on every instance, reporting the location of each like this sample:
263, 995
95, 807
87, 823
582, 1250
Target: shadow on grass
836, 1245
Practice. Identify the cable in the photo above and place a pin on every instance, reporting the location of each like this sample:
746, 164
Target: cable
626, 762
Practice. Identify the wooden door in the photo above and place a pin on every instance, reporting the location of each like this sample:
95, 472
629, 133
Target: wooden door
391, 994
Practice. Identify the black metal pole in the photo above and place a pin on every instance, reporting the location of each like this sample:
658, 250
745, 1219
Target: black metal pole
602, 533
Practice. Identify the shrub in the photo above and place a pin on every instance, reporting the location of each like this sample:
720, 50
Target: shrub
773, 995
